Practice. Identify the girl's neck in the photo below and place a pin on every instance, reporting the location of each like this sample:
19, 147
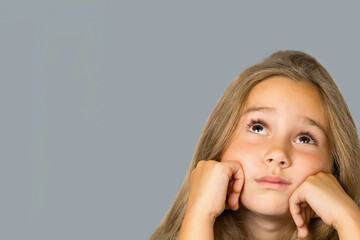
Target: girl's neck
259, 226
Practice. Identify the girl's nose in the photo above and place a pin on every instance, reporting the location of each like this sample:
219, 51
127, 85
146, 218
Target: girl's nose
280, 163
277, 157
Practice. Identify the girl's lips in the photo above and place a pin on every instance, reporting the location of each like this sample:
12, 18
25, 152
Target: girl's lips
272, 182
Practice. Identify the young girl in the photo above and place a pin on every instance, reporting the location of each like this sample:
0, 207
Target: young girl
277, 159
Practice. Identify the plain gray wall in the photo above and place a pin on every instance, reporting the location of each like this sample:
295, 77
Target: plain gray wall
102, 103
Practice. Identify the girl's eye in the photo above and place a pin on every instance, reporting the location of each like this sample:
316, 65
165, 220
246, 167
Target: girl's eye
258, 126
307, 138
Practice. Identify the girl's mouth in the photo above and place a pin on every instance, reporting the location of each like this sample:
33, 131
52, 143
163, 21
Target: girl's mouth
272, 182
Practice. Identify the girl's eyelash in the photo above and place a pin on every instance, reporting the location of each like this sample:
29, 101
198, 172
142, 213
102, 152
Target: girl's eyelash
303, 133
257, 121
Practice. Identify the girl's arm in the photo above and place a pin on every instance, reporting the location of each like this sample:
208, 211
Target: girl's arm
210, 183
321, 195
349, 226
196, 226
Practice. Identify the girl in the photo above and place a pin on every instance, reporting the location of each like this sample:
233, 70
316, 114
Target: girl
277, 159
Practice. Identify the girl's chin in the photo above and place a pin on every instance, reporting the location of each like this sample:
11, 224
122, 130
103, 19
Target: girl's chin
279, 209
270, 203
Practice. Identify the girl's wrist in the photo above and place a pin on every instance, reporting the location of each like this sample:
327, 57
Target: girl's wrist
201, 215
196, 226
348, 223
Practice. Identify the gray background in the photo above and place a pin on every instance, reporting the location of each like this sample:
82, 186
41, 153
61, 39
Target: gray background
102, 103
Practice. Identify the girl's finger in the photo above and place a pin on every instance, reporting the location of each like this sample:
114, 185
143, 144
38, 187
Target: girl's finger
295, 211
236, 174
300, 211
309, 214
302, 232
231, 184
303, 214
295, 202
232, 197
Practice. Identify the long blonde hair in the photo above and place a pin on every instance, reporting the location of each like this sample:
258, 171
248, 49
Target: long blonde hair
223, 121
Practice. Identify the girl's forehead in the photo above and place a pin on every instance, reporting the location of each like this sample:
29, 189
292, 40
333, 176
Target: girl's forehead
281, 95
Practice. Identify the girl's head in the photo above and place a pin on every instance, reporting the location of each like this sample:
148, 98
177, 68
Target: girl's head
284, 112
281, 136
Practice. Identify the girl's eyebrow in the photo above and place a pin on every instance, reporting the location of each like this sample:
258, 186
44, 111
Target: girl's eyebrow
258, 109
311, 121
308, 120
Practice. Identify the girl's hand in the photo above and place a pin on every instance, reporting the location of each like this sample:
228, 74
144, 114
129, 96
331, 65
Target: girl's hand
321, 196
214, 186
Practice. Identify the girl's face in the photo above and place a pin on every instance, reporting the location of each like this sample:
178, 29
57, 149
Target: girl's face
280, 140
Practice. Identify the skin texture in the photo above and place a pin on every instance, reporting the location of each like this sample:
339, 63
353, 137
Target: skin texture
281, 134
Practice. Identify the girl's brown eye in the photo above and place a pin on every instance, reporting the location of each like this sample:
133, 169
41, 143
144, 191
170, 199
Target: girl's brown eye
307, 140
304, 139
258, 128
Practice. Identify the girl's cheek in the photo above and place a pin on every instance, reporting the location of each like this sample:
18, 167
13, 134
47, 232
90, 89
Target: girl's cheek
313, 169
307, 165
242, 152
251, 156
